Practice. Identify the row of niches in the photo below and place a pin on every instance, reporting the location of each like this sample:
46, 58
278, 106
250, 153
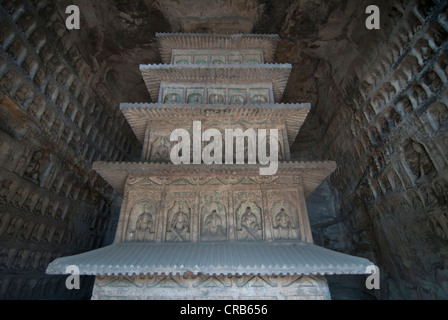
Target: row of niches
430, 199
216, 94
23, 228
32, 231
25, 169
36, 215
61, 117
422, 58
40, 204
159, 147
212, 215
35, 183
38, 78
32, 286
19, 259
201, 57
25, 259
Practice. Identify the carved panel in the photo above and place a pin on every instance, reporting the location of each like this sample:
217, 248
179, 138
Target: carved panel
284, 214
160, 148
216, 93
217, 56
248, 214
179, 206
142, 216
213, 213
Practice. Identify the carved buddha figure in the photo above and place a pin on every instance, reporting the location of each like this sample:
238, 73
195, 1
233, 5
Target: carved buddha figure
144, 225
216, 99
284, 225
259, 98
180, 225
162, 152
213, 226
237, 99
249, 224
33, 169
172, 98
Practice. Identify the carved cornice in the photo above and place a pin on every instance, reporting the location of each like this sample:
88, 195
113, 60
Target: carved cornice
115, 173
169, 41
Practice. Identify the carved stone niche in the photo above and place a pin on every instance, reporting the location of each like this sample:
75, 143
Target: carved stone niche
36, 167
141, 217
37, 38
10, 81
438, 114
418, 159
17, 50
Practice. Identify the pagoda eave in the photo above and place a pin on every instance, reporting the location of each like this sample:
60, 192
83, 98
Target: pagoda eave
212, 258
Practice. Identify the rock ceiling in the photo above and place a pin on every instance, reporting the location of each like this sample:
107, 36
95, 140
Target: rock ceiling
117, 36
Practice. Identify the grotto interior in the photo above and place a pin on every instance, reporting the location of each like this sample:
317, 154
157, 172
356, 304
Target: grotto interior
379, 102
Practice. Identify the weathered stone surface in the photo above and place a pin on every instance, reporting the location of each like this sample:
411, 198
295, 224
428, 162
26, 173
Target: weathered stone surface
193, 287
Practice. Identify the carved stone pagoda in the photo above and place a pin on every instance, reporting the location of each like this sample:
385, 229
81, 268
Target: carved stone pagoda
219, 231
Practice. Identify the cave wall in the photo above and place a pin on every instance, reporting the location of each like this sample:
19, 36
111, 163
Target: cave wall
381, 113
57, 116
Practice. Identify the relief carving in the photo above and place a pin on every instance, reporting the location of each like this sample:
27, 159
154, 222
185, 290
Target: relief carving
178, 224
248, 214
418, 159
5, 190
283, 214
36, 166
441, 188
283, 222
213, 228
213, 216
161, 149
216, 98
194, 98
142, 222
172, 98
237, 99
438, 221
259, 98
249, 224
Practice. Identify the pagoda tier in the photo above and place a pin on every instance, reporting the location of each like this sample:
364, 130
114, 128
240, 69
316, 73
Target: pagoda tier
218, 77
153, 123
170, 42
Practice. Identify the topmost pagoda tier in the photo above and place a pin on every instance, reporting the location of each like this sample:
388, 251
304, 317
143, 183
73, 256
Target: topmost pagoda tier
240, 48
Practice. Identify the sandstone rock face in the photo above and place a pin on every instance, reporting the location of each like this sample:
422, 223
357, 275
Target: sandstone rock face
379, 108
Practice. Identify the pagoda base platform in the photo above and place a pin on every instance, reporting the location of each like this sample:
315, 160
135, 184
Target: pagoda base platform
211, 287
